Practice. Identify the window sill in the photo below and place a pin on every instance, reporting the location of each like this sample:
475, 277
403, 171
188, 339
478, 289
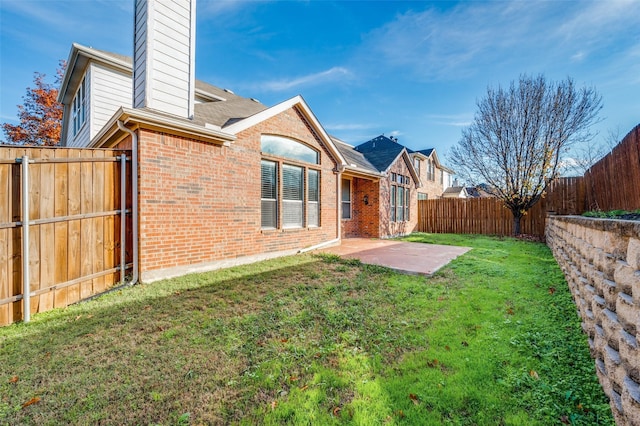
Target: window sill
287, 230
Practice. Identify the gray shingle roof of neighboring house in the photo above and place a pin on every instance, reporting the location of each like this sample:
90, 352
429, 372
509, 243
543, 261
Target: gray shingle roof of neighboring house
380, 151
472, 191
426, 152
354, 158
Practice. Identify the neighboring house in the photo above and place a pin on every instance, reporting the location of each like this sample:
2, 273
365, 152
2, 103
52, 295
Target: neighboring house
435, 177
456, 192
222, 179
477, 192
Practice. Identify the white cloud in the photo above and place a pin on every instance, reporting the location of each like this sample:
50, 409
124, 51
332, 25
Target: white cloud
322, 77
455, 120
350, 126
449, 43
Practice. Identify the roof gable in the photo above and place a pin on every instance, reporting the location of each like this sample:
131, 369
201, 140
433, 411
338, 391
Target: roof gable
298, 103
381, 152
356, 162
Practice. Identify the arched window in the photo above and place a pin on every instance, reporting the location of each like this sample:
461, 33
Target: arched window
290, 189
288, 148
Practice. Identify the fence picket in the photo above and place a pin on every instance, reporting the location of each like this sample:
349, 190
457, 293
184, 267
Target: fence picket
68, 249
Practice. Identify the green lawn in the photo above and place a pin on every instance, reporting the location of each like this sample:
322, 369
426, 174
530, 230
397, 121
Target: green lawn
312, 339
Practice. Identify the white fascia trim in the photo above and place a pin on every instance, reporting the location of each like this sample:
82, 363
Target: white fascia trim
78, 50
281, 107
419, 155
352, 171
128, 115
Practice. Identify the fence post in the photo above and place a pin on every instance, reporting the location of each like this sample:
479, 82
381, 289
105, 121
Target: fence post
123, 214
26, 287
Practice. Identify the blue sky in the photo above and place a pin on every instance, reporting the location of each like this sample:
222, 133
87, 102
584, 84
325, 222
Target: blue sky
409, 69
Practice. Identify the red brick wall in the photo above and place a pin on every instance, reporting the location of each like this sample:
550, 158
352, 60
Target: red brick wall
374, 220
365, 219
433, 188
200, 202
388, 228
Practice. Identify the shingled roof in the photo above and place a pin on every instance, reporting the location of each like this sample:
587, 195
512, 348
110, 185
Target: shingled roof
220, 107
380, 151
354, 159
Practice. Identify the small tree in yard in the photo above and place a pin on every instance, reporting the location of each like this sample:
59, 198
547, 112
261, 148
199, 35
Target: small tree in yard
520, 136
40, 116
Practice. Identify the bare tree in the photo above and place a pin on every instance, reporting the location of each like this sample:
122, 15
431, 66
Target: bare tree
519, 137
590, 152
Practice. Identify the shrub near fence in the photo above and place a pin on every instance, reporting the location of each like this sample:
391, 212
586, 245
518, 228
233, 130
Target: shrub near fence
488, 215
74, 200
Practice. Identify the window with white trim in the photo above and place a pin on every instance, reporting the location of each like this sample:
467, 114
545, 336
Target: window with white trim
79, 107
292, 196
290, 189
393, 203
269, 197
399, 198
346, 199
313, 197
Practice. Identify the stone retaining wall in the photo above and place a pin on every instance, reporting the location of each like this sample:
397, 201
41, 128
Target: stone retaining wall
601, 262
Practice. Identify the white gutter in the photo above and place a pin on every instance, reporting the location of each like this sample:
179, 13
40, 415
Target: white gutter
134, 197
161, 121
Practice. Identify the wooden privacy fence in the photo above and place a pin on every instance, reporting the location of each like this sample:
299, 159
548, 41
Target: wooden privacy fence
488, 216
614, 182
77, 240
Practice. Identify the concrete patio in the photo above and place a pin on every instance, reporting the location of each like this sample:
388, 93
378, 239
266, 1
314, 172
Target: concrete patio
405, 257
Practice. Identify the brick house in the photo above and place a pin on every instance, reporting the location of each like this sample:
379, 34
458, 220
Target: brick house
435, 177
379, 184
223, 179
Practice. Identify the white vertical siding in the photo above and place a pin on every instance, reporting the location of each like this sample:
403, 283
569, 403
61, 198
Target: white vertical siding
110, 90
164, 54
82, 138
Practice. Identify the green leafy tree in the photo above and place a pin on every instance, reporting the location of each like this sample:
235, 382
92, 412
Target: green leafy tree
520, 136
40, 115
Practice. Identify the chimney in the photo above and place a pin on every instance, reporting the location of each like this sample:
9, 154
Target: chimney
164, 56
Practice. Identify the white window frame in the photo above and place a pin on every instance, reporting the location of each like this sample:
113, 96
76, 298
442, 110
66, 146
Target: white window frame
293, 210
313, 206
270, 201
348, 201
79, 107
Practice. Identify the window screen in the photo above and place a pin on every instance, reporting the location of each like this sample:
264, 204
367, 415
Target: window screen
269, 189
393, 203
313, 198
346, 199
292, 196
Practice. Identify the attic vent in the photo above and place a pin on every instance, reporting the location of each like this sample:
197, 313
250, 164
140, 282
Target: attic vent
229, 91
255, 100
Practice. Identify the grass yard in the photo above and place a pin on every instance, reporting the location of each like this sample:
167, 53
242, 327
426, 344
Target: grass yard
492, 339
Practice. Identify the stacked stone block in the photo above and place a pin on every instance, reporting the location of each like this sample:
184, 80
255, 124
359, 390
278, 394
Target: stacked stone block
601, 262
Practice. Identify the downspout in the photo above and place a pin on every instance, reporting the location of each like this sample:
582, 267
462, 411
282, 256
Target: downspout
134, 197
339, 171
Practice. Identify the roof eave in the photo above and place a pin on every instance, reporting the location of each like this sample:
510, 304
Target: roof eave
356, 172
296, 101
76, 55
150, 120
